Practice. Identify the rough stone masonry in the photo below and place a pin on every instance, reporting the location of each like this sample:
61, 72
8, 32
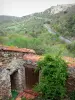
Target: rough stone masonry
12, 71
13, 61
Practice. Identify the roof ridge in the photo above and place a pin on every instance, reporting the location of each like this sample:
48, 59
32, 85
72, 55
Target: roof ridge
16, 49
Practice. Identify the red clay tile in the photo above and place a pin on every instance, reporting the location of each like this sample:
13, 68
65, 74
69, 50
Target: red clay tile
16, 49
28, 94
31, 57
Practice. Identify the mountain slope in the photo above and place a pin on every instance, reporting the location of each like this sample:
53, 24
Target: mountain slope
61, 18
64, 22
4, 18
29, 31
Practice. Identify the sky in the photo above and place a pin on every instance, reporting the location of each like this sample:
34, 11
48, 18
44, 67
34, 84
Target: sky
25, 7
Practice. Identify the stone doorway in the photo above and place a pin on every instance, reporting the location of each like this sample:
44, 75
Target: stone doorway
31, 76
14, 80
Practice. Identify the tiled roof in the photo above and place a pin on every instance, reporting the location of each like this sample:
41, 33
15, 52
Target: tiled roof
16, 49
35, 58
31, 57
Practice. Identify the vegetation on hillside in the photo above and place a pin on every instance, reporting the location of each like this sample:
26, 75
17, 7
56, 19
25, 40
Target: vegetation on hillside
64, 23
28, 31
42, 42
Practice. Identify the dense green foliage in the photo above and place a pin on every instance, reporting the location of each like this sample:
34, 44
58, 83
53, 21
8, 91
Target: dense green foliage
42, 42
53, 74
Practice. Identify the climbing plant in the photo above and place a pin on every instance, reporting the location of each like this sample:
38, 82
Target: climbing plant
52, 78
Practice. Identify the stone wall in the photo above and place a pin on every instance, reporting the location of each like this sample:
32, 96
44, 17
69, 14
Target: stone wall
11, 68
21, 79
5, 86
16, 65
6, 57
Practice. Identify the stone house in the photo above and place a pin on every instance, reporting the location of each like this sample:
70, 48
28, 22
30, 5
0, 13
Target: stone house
17, 70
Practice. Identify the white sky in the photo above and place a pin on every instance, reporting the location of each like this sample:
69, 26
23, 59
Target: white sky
25, 7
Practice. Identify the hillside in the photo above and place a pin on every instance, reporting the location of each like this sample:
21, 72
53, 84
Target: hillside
29, 31
58, 17
64, 22
4, 18
62, 19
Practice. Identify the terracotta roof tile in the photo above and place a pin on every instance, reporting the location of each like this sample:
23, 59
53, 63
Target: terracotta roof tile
31, 57
16, 49
28, 94
35, 58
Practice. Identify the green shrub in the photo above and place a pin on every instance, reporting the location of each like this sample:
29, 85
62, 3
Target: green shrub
52, 78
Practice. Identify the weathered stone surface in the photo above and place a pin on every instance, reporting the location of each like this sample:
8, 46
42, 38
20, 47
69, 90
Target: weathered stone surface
5, 86
10, 65
12, 71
